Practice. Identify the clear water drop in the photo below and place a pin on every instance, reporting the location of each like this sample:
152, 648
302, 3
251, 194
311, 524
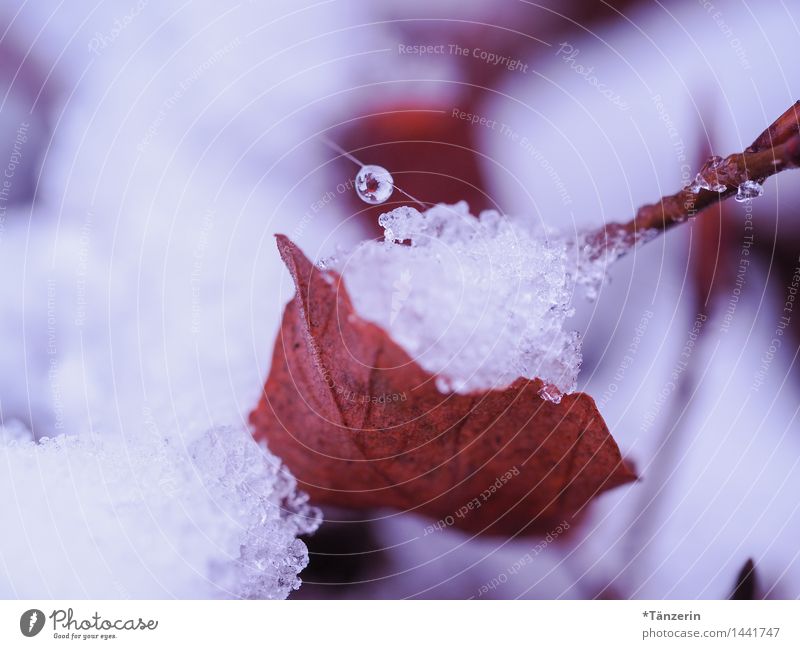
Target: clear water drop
749, 189
374, 184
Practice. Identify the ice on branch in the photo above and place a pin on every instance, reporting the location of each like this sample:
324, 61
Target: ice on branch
104, 517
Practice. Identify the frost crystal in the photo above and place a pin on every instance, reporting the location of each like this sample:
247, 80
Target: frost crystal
749, 189
148, 518
479, 302
701, 183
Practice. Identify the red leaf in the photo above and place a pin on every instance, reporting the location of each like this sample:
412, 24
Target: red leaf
360, 424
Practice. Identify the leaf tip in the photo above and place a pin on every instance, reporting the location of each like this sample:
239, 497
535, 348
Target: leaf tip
300, 268
286, 247
630, 474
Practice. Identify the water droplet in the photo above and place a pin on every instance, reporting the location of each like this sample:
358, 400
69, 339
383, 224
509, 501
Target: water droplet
374, 184
749, 189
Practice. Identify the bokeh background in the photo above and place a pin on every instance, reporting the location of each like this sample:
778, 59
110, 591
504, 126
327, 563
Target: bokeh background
154, 149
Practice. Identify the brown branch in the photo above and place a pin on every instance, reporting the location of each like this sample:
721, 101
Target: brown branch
775, 150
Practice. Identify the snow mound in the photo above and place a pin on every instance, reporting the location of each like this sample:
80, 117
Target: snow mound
109, 517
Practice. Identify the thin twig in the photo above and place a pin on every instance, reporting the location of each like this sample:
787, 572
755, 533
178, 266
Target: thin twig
775, 150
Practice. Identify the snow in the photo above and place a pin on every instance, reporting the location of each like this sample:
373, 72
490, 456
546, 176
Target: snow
110, 517
479, 302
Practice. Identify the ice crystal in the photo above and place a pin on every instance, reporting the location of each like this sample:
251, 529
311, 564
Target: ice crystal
105, 516
749, 189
